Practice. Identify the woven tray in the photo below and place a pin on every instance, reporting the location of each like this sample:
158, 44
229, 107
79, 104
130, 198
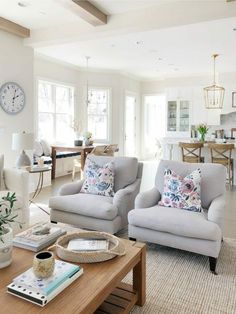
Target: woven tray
115, 248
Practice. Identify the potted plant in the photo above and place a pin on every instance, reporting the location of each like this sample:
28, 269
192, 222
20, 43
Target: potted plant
88, 138
202, 129
6, 234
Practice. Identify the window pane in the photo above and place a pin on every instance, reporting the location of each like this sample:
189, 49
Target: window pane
97, 108
45, 105
63, 104
45, 90
97, 96
98, 126
45, 126
64, 132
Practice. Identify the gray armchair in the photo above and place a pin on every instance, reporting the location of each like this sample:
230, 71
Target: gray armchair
199, 232
100, 212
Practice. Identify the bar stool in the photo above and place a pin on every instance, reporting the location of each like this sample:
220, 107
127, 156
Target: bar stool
221, 154
191, 152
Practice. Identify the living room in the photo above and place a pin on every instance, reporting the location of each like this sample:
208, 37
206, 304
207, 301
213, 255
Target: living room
134, 74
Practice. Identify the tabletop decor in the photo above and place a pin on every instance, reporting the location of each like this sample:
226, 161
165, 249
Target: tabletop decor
115, 247
43, 264
202, 129
88, 138
6, 234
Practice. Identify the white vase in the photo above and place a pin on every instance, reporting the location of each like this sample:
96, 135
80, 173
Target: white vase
6, 248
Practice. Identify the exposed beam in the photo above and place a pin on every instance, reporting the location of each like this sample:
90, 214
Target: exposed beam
14, 28
90, 13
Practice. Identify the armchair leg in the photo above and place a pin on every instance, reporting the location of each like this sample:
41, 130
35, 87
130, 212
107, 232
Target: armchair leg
132, 239
53, 222
213, 261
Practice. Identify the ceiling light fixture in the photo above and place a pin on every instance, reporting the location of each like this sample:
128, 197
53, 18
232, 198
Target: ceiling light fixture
214, 94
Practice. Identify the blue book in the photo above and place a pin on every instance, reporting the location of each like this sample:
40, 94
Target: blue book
45, 286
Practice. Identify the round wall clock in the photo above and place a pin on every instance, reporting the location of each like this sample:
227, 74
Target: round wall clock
12, 98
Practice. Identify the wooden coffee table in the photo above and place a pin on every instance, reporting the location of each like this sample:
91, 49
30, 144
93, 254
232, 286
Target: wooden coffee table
99, 290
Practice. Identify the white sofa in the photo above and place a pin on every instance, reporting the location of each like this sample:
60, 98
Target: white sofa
199, 232
99, 212
16, 180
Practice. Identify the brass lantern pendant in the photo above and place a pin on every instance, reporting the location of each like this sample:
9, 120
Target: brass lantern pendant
214, 94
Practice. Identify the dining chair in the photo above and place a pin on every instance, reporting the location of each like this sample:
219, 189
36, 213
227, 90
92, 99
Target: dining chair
222, 154
191, 152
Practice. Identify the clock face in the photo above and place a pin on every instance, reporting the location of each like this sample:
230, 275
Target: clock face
12, 98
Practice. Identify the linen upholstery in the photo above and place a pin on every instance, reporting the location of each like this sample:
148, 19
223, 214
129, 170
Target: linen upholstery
98, 212
199, 232
16, 180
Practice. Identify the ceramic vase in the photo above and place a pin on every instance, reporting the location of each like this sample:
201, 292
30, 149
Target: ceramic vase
6, 248
43, 264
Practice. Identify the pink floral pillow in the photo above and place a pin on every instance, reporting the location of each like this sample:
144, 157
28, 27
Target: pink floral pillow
182, 192
98, 180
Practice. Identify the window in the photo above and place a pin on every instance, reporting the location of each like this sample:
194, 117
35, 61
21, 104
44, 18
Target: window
55, 112
98, 113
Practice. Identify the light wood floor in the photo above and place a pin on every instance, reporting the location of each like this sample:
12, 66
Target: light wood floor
230, 210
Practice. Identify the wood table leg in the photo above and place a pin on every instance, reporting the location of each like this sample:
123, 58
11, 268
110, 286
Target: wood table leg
83, 156
139, 276
53, 173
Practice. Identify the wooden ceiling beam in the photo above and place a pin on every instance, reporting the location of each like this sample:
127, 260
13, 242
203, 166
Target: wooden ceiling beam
90, 13
14, 28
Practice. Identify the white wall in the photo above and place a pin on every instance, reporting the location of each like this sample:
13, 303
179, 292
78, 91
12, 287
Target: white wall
16, 64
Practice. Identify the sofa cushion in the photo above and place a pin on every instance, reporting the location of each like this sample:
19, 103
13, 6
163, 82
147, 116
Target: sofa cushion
182, 192
126, 169
96, 206
175, 221
212, 182
98, 180
19, 202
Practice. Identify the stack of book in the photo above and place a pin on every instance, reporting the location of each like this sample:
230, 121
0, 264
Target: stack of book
31, 240
40, 291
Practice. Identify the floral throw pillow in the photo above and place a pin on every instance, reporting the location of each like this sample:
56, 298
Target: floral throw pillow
98, 180
179, 192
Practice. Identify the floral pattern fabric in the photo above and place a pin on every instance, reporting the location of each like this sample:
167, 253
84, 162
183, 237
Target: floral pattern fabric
179, 192
98, 180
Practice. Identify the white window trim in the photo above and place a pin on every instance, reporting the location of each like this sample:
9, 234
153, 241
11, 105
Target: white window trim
52, 82
109, 112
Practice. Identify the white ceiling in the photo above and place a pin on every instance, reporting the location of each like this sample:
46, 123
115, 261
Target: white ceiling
149, 39
172, 52
47, 13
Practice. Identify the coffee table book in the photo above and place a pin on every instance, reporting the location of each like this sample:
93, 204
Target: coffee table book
41, 291
33, 242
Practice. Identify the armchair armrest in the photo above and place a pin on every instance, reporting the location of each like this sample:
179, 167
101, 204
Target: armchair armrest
124, 199
71, 188
148, 198
216, 211
17, 180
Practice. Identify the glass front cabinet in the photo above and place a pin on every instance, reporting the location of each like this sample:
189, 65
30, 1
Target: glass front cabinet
178, 116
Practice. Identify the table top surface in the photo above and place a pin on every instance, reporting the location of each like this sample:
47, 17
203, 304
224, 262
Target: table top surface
71, 147
40, 170
88, 291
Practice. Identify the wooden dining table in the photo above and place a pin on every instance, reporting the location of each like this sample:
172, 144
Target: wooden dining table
83, 150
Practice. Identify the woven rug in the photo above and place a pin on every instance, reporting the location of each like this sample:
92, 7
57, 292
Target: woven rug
181, 282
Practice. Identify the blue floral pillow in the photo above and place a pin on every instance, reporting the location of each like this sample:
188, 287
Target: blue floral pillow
182, 192
98, 180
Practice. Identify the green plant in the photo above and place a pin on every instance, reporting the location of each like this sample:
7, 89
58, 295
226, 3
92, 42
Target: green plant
202, 128
6, 215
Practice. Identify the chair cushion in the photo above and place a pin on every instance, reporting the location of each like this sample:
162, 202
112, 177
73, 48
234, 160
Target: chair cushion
175, 221
182, 192
18, 204
85, 204
98, 180
126, 169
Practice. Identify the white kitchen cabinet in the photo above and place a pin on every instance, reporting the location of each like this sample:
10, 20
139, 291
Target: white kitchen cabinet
178, 114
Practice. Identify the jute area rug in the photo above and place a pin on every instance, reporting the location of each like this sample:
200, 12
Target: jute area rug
181, 282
